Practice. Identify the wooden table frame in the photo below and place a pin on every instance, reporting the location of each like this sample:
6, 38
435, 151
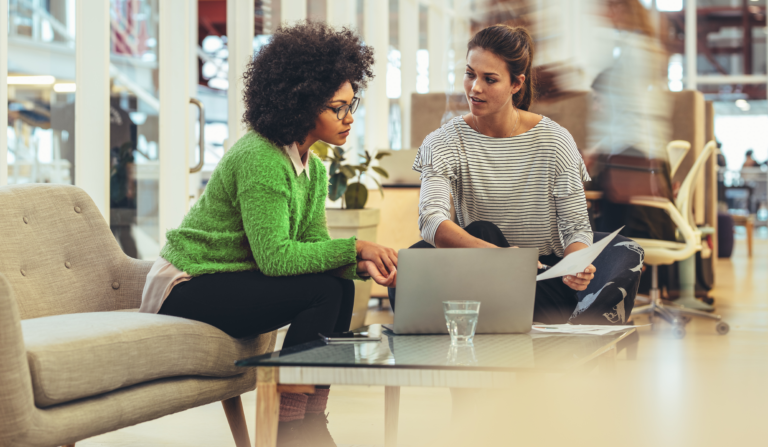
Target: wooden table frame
749, 223
273, 380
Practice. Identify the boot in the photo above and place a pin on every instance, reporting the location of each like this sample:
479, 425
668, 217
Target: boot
316, 432
290, 434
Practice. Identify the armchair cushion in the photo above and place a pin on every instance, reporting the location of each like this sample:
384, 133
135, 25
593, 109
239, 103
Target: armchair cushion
80, 355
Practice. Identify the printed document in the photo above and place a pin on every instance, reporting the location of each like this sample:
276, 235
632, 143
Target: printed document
577, 261
589, 329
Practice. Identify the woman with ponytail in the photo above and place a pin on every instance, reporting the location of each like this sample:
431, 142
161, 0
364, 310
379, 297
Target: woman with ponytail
515, 178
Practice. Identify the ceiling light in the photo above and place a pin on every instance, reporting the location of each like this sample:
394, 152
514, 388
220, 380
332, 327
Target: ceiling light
31, 80
64, 87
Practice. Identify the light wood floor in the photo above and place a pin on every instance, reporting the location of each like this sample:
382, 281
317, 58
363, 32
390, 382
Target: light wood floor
703, 390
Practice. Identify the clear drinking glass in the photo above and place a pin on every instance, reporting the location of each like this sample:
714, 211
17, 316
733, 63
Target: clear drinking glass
461, 320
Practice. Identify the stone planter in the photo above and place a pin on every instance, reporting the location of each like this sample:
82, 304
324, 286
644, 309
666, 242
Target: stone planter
362, 224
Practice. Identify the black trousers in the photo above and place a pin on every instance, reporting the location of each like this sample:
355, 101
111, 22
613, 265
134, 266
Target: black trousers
244, 304
555, 302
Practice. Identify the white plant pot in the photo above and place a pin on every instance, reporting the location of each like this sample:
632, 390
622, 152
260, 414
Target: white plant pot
362, 224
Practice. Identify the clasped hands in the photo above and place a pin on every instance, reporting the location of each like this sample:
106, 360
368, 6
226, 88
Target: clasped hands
378, 261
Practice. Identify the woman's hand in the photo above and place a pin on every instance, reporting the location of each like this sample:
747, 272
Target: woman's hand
370, 268
538, 263
385, 259
581, 280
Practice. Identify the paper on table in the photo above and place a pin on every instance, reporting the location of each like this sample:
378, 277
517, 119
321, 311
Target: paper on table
577, 261
591, 329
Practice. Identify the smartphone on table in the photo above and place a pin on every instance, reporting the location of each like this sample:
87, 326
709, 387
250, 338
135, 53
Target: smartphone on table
348, 337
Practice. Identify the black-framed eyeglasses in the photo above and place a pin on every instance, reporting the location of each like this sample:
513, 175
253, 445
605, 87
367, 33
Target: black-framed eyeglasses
344, 109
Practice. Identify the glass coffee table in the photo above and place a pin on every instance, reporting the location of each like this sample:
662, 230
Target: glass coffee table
493, 361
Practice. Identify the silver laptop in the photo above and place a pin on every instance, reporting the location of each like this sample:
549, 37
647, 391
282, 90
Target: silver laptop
503, 280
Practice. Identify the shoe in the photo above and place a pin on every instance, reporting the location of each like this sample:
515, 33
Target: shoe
316, 432
290, 434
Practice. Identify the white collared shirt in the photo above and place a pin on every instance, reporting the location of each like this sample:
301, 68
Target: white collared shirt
300, 164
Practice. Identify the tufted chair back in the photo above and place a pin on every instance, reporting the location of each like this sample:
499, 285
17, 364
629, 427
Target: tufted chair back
59, 255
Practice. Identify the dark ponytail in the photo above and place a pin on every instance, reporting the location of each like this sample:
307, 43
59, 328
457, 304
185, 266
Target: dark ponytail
515, 46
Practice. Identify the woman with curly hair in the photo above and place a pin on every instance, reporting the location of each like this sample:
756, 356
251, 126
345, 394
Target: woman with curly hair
254, 253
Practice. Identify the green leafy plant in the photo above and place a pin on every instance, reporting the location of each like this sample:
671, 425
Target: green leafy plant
354, 194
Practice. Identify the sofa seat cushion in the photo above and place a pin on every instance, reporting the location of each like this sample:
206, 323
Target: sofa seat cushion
80, 355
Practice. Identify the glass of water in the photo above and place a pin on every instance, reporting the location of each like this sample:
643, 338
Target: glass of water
461, 320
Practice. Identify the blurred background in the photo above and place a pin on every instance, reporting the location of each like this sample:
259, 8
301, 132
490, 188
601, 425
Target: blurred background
605, 58
642, 85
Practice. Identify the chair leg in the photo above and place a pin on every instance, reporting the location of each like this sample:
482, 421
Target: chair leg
233, 408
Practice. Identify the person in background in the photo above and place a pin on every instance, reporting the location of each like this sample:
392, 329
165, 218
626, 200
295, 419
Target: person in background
749, 160
630, 126
720, 156
254, 253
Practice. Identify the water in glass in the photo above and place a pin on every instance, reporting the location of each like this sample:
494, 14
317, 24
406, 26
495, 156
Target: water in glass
461, 320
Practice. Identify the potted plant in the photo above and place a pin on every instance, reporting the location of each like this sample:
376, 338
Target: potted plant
352, 219
355, 195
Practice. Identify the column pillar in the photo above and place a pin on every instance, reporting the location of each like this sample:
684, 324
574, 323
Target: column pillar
92, 102
341, 13
437, 37
408, 24
240, 29
174, 113
376, 101
194, 179
461, 36
292, 11
691, 39
3, 91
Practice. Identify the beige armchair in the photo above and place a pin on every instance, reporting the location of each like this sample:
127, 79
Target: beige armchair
76, 359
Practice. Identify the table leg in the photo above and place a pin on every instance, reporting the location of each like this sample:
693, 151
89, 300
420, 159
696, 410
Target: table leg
464, 406
391, 414
750, 231
607, 361
267, 406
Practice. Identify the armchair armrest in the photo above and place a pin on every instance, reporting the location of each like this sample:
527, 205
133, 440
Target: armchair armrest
691, 237
133, 275
16, 399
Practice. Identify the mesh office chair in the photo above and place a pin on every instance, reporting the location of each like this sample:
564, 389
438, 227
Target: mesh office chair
658, 252
676, 152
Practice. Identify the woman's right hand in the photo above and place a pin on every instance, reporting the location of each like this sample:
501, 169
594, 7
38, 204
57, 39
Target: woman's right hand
370, 268
538, 263
384, 258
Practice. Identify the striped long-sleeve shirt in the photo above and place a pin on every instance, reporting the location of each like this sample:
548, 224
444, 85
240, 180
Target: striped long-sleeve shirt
529, 185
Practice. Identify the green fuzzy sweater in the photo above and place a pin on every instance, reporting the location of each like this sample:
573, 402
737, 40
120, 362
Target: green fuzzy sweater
257, 214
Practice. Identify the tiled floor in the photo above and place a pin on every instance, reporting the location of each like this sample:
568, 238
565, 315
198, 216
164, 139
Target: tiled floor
704, 390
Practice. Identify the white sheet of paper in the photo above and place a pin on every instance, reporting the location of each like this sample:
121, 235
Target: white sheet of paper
591, 329
577, 261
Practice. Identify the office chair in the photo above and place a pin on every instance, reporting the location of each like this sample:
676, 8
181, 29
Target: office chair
658, 252
676, 152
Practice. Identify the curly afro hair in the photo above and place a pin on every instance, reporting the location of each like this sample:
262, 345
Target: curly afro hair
292, 78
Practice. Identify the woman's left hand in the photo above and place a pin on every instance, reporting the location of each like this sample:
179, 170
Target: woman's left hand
372, 270
581, 280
